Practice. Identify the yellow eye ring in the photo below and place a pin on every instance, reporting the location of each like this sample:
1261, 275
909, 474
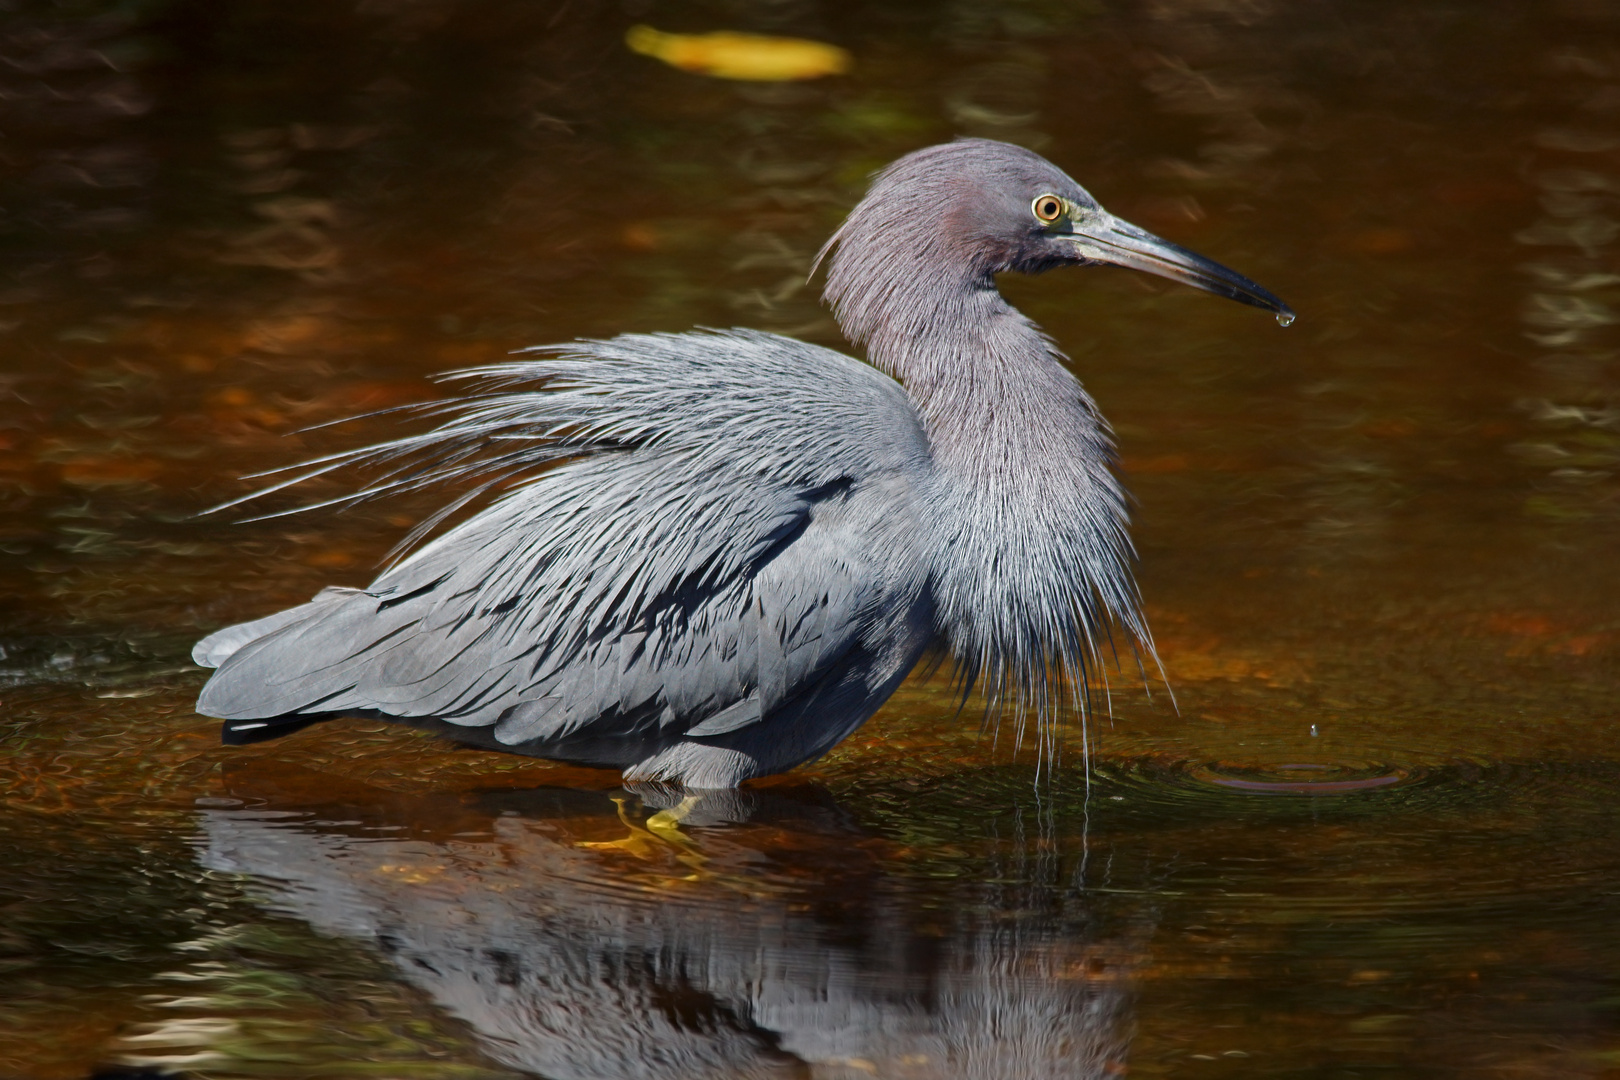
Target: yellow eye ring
1047, 208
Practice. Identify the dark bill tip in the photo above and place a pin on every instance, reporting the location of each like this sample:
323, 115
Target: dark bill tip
1107, 239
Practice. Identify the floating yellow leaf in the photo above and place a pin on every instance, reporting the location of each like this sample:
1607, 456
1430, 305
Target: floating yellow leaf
750, 57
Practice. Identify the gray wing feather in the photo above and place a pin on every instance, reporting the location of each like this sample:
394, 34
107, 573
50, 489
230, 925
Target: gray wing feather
681, 572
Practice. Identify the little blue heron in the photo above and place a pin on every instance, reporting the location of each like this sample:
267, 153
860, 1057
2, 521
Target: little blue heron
718, 553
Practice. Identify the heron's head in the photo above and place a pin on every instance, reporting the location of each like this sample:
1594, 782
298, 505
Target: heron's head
953, 215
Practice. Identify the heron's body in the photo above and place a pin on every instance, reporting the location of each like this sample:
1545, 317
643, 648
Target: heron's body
755, 539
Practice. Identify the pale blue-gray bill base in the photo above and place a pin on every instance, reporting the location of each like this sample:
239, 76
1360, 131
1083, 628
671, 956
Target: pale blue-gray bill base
750, 541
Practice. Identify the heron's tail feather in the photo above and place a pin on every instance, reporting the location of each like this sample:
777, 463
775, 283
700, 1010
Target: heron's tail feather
221, 645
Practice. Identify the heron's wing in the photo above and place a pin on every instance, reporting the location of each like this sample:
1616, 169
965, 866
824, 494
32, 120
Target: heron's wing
710, 661
498, 626
693, 579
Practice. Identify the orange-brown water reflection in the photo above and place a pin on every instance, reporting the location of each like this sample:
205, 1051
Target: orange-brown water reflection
1377, 547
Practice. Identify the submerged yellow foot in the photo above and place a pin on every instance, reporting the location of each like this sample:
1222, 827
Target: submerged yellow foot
661, 837
666, 823
661, 833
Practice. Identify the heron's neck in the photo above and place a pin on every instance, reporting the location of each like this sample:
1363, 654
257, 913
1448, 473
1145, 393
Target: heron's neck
1028, 519
1000, 408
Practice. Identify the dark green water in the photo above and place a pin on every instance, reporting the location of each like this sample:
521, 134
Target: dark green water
1379, 837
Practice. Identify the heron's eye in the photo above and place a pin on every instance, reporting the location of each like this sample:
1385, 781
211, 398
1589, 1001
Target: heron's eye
1047, 208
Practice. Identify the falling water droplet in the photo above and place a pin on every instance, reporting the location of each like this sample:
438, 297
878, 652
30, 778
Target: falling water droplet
1285, 318
1313, 731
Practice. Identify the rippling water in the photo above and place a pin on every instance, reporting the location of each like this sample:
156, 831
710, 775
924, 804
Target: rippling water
1375, 831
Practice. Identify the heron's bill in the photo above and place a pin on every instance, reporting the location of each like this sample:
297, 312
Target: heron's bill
1105, 238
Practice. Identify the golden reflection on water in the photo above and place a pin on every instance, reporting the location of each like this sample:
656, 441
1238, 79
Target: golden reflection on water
1375, 831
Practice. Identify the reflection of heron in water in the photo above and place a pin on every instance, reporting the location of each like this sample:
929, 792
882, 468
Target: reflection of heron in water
567, 968
757, 538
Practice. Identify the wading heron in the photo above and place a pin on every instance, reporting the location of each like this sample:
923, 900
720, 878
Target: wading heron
718, 553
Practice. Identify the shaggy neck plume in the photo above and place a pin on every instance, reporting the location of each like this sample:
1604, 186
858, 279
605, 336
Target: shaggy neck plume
1033, 554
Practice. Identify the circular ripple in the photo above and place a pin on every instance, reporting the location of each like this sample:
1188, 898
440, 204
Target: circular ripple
1302, 778
1355, 787
1276, 785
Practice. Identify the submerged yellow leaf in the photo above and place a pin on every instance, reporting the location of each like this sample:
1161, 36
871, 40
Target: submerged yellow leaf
750, 57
